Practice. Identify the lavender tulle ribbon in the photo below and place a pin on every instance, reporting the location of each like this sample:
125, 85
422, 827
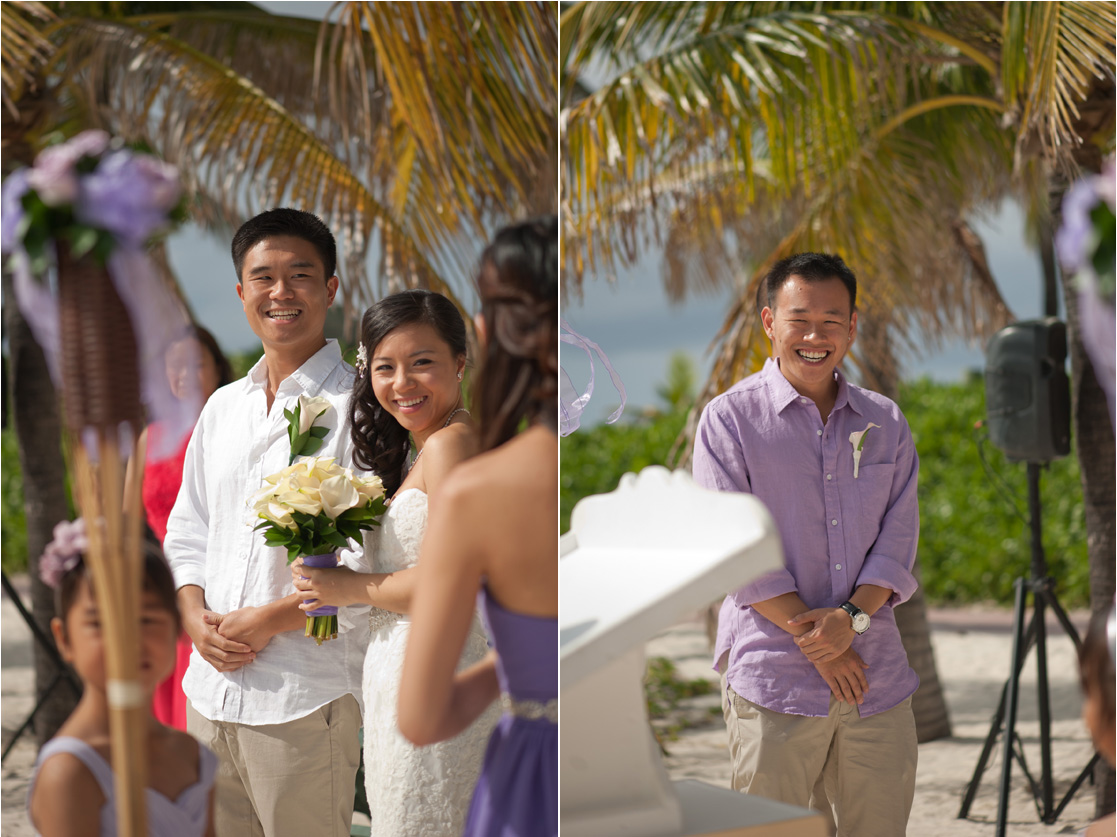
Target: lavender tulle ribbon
158, 320
327, 561
571, 403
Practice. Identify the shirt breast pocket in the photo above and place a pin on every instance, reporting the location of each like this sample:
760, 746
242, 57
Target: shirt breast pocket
873, 488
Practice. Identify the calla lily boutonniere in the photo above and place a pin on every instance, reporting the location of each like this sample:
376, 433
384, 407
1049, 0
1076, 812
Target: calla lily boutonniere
857, 439
305, 437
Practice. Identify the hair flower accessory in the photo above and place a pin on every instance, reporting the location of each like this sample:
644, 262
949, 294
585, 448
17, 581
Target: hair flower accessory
362, 359
64, 552
857, 439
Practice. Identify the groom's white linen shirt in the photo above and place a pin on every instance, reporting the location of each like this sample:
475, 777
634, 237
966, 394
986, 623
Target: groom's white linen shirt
211, 543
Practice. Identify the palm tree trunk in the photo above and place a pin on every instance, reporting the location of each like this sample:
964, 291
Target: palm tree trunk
1096, 454
39, 431
932, 720
38, 426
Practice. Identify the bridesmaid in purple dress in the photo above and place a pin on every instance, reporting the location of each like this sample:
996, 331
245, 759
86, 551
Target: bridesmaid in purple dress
494, 533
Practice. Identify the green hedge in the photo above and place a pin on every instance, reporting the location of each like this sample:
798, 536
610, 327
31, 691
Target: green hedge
13, 524
972, 544
974, 540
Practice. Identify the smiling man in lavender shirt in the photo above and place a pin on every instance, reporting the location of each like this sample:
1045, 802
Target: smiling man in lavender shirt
816, 684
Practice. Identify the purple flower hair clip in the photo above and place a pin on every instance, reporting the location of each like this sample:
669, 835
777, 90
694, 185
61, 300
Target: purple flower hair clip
64, 552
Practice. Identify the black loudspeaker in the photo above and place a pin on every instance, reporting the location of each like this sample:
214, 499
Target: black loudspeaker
1027, 395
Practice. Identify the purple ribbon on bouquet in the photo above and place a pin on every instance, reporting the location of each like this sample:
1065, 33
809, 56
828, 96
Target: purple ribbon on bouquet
571, 404
325, 561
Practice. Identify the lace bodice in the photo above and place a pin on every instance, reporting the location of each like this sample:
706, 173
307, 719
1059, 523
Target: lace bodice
401, 532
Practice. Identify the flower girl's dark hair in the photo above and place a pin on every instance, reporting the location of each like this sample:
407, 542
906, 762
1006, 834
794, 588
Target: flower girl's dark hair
380, 443
518, 285
62, 567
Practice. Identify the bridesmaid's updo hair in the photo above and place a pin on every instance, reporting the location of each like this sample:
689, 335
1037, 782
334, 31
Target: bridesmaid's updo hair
380, 443
518, 285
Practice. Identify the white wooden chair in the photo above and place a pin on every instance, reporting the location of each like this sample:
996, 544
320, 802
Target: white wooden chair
635, 562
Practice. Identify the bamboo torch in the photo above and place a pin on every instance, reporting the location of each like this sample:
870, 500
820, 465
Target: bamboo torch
103, 413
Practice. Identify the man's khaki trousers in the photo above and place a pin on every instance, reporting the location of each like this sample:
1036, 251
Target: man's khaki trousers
276, 780
858, 772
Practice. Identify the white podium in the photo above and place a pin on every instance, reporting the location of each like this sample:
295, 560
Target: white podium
635, 562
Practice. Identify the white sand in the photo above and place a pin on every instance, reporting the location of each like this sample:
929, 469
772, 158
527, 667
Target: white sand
972, 651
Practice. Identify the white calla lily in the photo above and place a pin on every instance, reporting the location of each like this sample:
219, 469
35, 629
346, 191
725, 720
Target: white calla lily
338, 495
369, 487
279, 515
310, 410
307, 502
857, 439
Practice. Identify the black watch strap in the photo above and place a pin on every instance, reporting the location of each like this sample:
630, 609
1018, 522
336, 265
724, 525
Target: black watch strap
851, 609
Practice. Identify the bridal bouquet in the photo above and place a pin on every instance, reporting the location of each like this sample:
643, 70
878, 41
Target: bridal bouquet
313, 508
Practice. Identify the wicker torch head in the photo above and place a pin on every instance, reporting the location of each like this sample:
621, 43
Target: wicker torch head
99, 360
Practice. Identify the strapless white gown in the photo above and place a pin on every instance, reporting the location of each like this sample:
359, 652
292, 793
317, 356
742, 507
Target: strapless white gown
420, 791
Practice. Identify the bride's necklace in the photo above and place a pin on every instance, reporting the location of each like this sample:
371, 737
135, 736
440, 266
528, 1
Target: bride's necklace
449, 418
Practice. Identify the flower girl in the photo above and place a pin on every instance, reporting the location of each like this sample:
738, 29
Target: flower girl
73, 775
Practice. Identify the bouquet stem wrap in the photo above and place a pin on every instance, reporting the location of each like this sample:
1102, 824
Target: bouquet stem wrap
321, 623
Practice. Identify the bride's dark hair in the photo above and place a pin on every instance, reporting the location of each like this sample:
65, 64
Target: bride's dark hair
518, 285
380, 443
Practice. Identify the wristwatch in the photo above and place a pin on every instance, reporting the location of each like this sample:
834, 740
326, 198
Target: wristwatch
860, 618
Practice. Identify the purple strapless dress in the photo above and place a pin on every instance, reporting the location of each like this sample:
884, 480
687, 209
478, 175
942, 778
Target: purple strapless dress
517, 794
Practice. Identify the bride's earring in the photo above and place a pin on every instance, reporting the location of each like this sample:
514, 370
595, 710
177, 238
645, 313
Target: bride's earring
459, 376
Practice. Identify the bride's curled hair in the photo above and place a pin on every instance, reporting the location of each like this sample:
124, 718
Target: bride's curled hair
518, 286
380, 443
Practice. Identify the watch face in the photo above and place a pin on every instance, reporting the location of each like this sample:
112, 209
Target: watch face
861, 622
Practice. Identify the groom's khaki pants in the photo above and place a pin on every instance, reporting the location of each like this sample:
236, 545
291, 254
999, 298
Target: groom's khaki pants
859, 773
275, 780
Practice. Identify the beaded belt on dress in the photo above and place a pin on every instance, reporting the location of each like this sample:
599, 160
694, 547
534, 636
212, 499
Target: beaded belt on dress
379, 618
532, 710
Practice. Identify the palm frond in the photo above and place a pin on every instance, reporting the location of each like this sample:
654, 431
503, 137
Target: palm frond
777, 88
231, 140
470, 97
23, 46
740, 133
1053, 54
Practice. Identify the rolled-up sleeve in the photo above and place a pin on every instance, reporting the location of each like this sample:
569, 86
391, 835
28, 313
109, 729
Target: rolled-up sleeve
892, 556
188, 524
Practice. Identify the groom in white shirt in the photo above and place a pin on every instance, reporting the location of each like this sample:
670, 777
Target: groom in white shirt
281, 713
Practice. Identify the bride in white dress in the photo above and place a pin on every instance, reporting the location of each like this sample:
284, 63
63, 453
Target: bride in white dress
409, 370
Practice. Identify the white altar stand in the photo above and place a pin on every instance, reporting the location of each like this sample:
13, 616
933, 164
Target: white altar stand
635, 562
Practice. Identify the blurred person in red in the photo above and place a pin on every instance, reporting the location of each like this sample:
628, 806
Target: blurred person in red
196, 368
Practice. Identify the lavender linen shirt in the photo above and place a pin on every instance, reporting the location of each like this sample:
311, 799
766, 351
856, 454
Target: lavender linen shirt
838, 533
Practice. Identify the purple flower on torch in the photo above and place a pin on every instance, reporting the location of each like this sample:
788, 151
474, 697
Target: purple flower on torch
1073, 238
1085, 244
11, 209
128, 195
54, 177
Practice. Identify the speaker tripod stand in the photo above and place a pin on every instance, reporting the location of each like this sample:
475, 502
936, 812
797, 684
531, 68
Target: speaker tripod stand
1024, 638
